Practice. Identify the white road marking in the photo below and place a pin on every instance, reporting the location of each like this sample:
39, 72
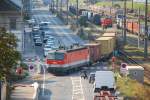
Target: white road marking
77, 90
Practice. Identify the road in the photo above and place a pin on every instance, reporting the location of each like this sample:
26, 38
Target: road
56, 88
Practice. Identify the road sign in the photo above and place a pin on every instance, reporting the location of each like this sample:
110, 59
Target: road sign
123, 68
31, 68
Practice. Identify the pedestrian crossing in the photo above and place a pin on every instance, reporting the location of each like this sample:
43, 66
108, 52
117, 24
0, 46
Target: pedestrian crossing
77, 91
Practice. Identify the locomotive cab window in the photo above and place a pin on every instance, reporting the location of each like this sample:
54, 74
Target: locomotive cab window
59, 56
51, 56
56, 56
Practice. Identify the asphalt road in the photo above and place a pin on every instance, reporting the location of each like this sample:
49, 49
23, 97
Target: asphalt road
56, 88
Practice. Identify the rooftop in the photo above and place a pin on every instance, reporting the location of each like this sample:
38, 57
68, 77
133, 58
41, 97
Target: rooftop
135, 67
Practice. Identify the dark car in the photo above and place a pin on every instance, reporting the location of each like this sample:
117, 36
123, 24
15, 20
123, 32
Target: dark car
35, 37
38, 42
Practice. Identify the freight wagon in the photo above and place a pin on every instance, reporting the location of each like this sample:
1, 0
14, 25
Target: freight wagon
133, 27
106, 22
94, 52
93, 18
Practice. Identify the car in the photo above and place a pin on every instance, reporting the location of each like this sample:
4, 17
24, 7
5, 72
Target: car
91, 77
46, 32
55, 47
35, 28
35, 33
38, 42
50, 38
47, 48
36, 37
50, 43
47, 37
44, 25
31, 21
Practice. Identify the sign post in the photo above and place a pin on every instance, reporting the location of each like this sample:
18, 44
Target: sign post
113, 62
123, 68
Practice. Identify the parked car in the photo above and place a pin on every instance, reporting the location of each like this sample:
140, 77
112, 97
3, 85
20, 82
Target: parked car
35, 37
38, 42
35, 28
47, 36
47, 48
44, 25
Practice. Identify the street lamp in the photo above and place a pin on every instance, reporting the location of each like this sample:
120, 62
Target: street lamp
146, 31
124, 39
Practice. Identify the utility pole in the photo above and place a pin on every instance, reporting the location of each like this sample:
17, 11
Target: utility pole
139, 29
57, 6
146, 31
112, 3
67, 11
77, 11
132, 6
124, 38
61, 7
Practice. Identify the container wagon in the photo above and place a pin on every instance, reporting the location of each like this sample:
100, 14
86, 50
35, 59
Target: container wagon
107, 46
111, 35
61, 62
106, 22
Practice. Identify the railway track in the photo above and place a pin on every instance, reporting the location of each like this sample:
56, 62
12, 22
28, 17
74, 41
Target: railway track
126, 57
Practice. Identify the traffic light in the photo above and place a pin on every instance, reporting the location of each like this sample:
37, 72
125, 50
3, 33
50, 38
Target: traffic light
19, 70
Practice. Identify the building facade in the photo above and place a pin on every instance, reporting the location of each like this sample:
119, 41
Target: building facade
11, 18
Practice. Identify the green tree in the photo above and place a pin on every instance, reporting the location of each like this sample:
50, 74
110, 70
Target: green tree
9, 56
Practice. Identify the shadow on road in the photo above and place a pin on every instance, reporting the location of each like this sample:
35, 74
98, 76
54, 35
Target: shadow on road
46, 96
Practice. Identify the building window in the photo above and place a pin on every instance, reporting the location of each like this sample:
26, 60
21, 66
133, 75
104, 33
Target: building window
12, 23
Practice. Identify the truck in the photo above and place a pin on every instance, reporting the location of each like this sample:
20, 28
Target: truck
104, 80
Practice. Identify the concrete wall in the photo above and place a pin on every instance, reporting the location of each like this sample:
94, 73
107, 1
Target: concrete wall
5, 18
3, 91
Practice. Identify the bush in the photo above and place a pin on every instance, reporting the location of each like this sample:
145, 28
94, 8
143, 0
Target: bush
15, 77
24, 66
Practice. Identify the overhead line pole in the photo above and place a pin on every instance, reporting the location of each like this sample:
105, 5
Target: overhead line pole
146, 31
132, 6
67, 11
139, 29
124, 38
77, 11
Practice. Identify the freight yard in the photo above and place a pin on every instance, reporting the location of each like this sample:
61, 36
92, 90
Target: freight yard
84, 50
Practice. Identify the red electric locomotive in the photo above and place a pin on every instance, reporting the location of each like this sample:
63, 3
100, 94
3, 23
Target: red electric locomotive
62, 62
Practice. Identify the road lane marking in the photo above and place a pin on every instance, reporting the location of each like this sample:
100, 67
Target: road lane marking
77, 89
